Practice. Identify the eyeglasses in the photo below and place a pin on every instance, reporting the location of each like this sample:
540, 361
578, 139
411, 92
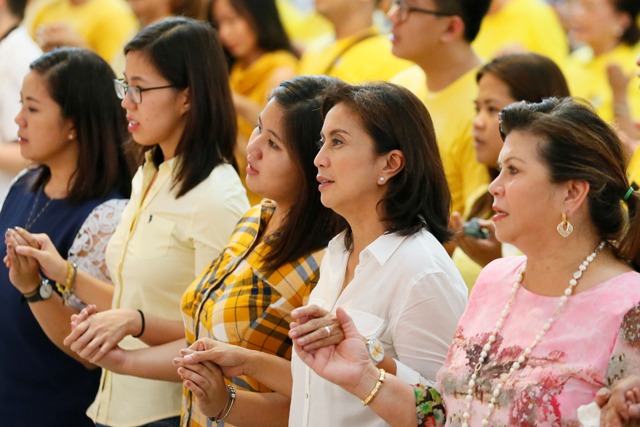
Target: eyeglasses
404, 9
135, 92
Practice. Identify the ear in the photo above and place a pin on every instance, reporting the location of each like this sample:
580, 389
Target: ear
575, 195
454, 30
184, 99
392, 164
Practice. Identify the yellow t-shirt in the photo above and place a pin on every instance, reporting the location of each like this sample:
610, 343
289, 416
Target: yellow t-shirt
587, 78
105, 25
255, 82
302, 27
452, 111
160, 246
362, 57
522, 25
633, 169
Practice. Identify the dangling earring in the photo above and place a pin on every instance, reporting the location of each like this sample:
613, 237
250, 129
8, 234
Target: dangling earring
565, 228
381, 179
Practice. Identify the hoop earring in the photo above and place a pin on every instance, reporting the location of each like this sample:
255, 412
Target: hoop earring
564, 228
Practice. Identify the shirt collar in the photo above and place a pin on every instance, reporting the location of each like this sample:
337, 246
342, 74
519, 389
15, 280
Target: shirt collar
381, 249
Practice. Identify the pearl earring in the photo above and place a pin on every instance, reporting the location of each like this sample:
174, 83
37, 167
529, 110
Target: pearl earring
70, 136
381, 179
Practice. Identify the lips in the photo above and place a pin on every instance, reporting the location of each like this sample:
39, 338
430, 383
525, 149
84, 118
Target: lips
500, 214
132, 125
324, 182
251, 170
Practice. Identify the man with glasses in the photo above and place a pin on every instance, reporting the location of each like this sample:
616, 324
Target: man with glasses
437, 36
356, 52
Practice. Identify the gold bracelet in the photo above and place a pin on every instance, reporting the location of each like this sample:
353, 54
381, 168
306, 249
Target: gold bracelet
374, 392
68, 289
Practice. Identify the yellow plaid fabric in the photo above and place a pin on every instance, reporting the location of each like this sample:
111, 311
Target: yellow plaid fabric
235, 301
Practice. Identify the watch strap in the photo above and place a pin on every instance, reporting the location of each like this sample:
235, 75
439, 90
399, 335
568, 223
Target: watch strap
37, 295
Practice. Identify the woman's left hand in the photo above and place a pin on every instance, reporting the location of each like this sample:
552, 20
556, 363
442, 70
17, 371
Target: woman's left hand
315, 328
342, 364
23, 270
482, 251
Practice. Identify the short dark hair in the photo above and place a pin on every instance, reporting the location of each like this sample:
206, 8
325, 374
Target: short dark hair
81, 83
309, 225
418, 196
189, 55
471, 11
265, 21
578, 145
17, 8
631, 34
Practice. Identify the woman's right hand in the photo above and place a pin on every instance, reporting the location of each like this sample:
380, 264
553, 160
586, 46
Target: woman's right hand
342, 364
94, 335
41, 248
482, 251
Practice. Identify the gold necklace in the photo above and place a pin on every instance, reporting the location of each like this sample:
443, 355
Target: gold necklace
31, 219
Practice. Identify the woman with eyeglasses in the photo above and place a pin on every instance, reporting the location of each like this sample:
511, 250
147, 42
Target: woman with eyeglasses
72, 130
186, 200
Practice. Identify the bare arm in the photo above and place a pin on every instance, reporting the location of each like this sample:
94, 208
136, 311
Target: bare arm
11, 160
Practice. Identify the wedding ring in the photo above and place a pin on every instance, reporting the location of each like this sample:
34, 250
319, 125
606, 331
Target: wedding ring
328, 330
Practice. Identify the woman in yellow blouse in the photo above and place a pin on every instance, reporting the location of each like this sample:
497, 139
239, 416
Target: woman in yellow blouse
268, 268
601, 70
260, 58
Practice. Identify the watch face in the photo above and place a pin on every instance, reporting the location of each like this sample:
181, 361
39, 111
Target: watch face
45, 289
376, 350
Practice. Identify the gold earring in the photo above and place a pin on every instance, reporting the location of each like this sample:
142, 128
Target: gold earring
565, 228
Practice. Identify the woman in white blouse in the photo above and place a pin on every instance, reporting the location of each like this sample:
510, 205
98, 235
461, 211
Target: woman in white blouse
382, 173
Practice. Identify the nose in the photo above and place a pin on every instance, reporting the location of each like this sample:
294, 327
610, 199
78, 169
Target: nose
393, 13
321, 158
253, 146
19, 119
127, 103
495, 187
478, 121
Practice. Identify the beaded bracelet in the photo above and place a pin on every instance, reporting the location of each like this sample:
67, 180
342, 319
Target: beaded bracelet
231, 398
375, 390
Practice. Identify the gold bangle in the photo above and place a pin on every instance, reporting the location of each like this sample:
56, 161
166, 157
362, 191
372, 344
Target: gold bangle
374, 392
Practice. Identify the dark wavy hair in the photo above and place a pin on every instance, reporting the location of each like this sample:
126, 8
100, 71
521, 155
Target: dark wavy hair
81, 83
309, 225
189, 55
579, 145
418, 196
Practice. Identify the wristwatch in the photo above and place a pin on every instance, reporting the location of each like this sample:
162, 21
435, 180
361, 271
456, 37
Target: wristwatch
376, 350
43, 292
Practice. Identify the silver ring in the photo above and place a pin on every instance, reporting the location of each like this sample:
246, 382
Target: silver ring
328, 330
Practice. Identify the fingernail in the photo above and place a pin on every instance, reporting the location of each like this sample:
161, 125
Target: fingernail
188, 358
293, 333
301, 341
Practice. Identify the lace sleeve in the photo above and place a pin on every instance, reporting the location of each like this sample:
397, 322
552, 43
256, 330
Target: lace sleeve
88, 248
430, 410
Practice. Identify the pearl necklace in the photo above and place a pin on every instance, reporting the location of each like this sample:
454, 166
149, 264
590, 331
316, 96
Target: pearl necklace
466, 416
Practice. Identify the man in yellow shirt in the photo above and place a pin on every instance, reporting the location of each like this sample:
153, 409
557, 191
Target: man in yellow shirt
521, 26
357, 51
437, 36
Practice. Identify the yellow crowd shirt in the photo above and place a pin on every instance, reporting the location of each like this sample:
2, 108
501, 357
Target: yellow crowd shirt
522, 25
159, 247
633, 170
236, 301
587, 78
452, 111
362, 57
105, 25
256, 82
302, 26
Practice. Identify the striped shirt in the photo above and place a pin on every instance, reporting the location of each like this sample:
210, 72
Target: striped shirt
235, 301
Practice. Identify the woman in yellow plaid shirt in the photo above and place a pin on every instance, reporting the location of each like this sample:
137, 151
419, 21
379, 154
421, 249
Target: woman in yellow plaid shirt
270, 265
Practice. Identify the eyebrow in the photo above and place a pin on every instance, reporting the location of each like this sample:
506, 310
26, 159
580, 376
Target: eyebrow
269, 130
31, 98
134, 78
511, 158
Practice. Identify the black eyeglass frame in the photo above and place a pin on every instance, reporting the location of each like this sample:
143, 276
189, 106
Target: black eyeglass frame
119, 83
404, 10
